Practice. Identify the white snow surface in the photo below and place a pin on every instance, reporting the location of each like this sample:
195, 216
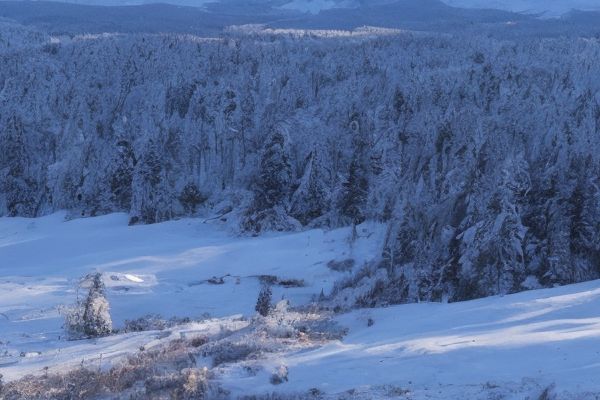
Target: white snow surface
158, 269
515, 345
511, 347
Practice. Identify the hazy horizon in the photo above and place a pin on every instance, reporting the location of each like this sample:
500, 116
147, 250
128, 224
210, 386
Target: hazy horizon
550, 8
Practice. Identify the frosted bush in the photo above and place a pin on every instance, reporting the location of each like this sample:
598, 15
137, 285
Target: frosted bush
90, 317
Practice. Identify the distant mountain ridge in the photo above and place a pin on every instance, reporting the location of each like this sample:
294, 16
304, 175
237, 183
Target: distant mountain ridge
541, 7
63, 17
547, 8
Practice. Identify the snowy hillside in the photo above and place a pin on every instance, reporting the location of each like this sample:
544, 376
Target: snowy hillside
163, 269
511, 347
500, 347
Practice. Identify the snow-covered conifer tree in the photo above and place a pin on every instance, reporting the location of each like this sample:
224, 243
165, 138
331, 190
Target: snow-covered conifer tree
96, 311
263, 302
311, 199
269, 209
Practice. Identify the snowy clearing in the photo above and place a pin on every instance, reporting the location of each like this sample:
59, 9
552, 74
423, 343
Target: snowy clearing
416, 351
164, 269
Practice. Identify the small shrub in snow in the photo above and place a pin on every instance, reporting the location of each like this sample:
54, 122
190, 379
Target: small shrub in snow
321, 297
282, 307
186, 384
280, 328
189, 383
251, 370
161, 383
322, 330
268, 279
280, 375
341, 266
263, 303
199, 341
90, 318
281, 322
150, 322
312, 394
291, 283
228, 352
191, 197
73, 321
195, 383
548, 393
165, 372
392, 391
216, 280
78, 384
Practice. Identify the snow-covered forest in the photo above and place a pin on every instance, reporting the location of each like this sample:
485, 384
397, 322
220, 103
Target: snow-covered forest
247, 201
479, 154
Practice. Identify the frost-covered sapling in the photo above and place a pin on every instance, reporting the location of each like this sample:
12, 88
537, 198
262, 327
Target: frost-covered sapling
96, 315
280, 375
263, 303
90, 318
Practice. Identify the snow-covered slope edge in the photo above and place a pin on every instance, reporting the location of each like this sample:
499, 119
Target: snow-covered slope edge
514, 346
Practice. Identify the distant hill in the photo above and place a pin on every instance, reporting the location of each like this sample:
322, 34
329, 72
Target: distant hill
422, 15
407, 14
544, 7
60, 17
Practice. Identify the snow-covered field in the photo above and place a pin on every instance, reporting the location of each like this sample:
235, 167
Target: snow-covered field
160, 269
512, 347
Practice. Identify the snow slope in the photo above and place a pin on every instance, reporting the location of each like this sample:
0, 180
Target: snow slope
500, 347
511, 347
160, 268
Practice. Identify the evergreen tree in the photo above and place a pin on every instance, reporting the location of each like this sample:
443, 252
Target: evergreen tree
584, 204
269, 209
312, 196
275, 174
96, 316
18, 187
191, 198
353, 198
263, 303
151, 200
504, 270
492, 246
122, 177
